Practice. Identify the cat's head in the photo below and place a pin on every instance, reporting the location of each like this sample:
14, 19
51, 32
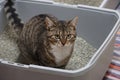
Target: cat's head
61, 33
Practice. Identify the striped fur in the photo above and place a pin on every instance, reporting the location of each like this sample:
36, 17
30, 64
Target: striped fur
43, 40
12, 16
46, 45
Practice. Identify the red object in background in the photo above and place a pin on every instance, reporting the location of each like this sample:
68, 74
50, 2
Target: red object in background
113, 72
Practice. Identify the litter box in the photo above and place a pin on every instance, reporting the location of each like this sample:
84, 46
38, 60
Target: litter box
96, 25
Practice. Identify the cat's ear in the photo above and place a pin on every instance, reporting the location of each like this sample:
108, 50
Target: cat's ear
74, 21
49, 22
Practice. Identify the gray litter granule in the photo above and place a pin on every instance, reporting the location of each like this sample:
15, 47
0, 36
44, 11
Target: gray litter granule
82, 53
8, 48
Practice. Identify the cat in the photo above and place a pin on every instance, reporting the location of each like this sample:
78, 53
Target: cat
43, 40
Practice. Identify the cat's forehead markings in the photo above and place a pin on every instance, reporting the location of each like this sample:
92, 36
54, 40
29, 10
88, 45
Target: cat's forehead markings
37, 37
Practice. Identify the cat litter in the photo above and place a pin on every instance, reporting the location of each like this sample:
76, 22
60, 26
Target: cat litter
96, 26
82, 53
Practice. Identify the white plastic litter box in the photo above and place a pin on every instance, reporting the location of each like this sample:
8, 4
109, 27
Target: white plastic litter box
97, 26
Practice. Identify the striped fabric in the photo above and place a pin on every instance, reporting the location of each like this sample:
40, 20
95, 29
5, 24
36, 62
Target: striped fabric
113, 72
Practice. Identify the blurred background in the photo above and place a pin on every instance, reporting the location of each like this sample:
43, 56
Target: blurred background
111, 4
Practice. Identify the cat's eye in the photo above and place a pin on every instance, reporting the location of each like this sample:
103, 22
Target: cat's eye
69, 36
57, 37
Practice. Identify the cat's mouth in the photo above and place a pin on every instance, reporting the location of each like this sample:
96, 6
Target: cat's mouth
62, 43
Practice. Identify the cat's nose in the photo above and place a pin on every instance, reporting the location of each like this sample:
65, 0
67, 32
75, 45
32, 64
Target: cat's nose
63, 42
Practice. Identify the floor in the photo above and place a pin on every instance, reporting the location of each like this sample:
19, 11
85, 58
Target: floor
85, 2
113, 72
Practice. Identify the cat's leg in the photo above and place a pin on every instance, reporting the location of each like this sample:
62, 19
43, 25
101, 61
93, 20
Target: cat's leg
24, 56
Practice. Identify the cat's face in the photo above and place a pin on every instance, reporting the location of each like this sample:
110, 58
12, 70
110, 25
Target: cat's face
61, 33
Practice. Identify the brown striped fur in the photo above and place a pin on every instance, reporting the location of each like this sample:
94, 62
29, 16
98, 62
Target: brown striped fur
36, 39
45, 40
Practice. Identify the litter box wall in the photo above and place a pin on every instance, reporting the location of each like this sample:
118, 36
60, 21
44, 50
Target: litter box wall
96, 26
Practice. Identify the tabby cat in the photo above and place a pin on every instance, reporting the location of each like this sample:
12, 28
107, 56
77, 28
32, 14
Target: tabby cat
43, 40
